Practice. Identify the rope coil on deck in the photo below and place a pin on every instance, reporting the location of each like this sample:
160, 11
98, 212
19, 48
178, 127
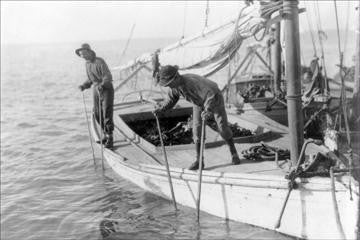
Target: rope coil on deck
265, 153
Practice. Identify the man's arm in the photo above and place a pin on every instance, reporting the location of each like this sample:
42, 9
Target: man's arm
105, 73
173, 98
87, 84
209, 103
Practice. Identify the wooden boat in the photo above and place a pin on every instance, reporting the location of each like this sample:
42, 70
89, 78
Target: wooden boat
252, 192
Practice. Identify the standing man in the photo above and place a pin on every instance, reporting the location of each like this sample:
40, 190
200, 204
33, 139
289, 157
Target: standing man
207, 100
100, 77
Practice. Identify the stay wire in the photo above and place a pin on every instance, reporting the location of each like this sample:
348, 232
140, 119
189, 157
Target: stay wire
343, 92
347, 28
337, 29
311, 30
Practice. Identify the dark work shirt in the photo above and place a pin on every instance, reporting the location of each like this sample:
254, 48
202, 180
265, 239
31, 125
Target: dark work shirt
98, 73
195, 89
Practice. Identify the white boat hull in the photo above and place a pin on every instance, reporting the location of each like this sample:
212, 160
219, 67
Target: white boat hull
252, 199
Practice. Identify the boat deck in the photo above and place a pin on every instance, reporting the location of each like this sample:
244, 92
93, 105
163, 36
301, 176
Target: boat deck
216, 158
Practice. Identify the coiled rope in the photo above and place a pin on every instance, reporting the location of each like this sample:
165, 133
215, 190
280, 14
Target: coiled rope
264, 152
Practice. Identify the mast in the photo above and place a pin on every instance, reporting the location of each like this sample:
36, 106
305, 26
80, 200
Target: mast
292, 75
276, 57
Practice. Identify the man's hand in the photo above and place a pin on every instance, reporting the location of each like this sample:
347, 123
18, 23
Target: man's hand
205, 115
81, 87
100, 88
157, 111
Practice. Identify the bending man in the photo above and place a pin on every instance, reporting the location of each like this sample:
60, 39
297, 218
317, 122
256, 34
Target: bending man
207, 100
100, 77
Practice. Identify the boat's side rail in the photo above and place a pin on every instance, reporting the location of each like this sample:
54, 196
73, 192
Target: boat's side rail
237, 179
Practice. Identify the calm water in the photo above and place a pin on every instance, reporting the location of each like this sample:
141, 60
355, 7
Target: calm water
49, 186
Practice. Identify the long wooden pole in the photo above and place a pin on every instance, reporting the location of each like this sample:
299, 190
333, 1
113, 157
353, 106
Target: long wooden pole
88, 126
335, 205
101, 131
166, 162
200, 168
292, 181
292, 49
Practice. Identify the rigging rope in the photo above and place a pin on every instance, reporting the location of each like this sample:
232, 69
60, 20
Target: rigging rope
267, 8
337, 30
347, 28
343, 92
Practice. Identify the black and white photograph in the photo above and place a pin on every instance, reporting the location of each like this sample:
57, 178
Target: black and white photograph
177, 120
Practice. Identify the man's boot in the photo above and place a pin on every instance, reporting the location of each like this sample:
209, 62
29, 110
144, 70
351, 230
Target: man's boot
195, 165
103, 141
109, 141
234, 154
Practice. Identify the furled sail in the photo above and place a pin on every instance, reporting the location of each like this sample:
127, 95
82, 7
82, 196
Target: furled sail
208, 52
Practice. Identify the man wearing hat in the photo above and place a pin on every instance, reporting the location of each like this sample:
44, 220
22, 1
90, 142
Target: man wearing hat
100, 77
207, 99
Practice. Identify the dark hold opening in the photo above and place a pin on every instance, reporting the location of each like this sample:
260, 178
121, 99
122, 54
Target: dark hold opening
176, 130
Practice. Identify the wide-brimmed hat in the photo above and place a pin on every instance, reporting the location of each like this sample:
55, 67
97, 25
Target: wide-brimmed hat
84, 46
168, 74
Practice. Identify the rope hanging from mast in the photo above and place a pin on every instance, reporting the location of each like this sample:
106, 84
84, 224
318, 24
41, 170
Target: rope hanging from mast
267, 8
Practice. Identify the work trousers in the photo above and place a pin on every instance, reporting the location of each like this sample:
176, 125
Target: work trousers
219, 116
106, 107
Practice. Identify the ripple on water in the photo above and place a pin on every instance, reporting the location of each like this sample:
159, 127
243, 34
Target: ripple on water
26, 125
51, 133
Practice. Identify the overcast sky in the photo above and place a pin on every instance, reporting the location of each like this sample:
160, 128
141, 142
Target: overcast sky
57, 21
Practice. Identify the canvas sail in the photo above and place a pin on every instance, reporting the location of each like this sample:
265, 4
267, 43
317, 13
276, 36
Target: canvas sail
208, 52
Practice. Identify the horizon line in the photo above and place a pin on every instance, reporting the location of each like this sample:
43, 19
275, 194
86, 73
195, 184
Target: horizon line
122, 39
